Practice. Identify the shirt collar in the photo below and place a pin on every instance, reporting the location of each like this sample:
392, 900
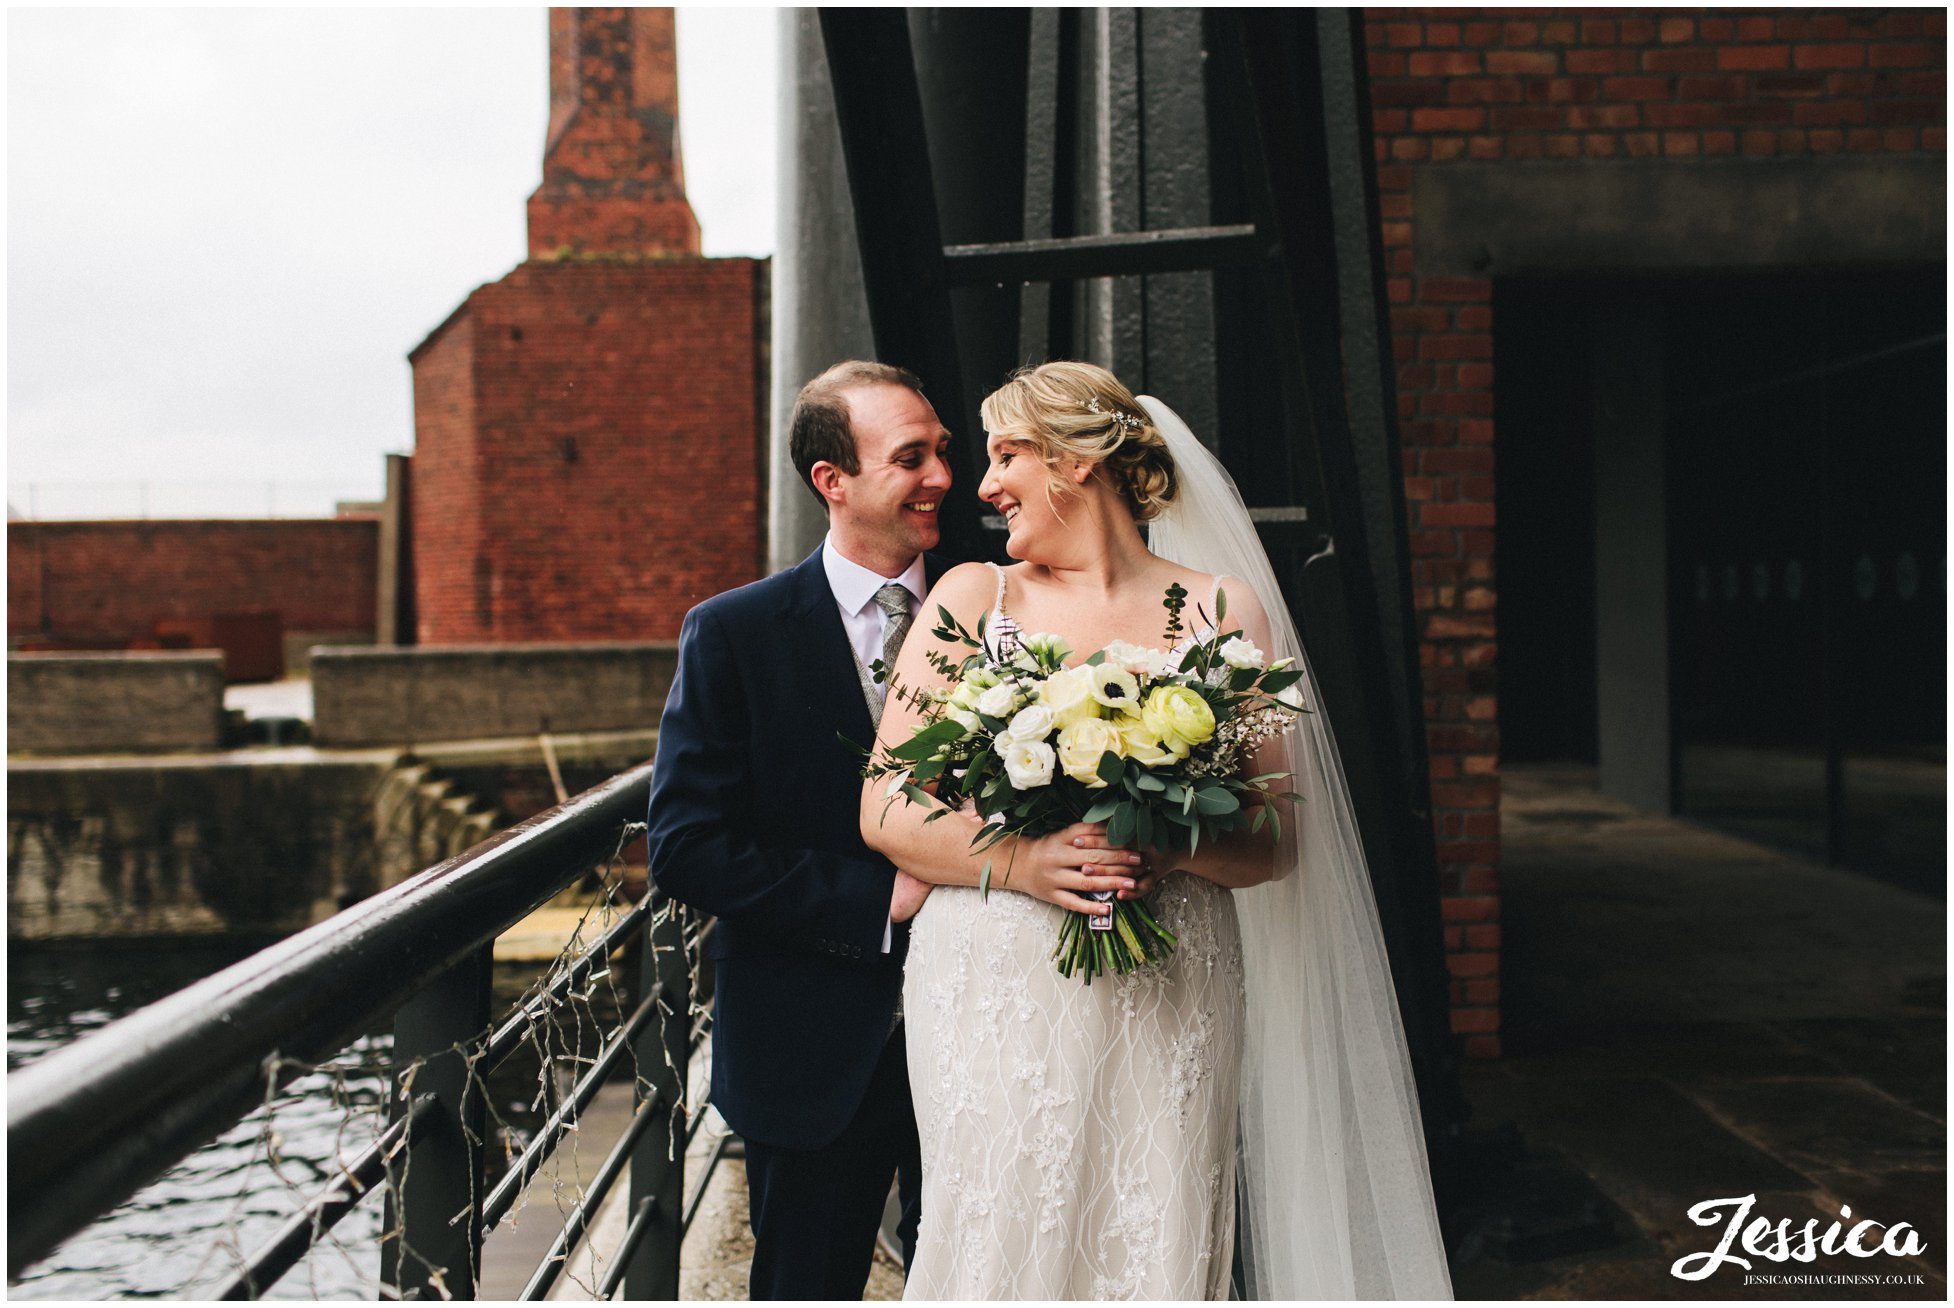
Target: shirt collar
854, 586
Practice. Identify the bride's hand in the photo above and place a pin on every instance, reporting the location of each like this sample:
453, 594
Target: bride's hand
1063, 867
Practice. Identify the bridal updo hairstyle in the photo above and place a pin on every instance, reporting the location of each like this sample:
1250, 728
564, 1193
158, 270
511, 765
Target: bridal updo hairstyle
1080, 410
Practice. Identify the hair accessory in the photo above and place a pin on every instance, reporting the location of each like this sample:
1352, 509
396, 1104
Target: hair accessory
1131, 422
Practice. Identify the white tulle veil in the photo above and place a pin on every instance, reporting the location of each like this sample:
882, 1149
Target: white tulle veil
1335, 1191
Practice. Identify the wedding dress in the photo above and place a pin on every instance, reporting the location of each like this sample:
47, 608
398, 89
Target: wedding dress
1080, 1142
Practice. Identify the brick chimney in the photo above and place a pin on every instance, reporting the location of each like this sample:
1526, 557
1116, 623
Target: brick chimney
590, 430
612, 181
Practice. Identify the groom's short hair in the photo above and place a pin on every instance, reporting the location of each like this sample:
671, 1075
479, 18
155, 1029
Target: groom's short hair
819, 430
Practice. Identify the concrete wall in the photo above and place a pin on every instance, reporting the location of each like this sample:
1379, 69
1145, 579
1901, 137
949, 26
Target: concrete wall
114, 703
403, 696
1631, 555
100, 849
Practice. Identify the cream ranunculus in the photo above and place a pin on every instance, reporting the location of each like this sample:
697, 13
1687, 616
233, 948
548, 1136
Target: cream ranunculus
1115, 687
1141, 744
1028, 763
1083, 744
1032, 722
1237, 652
1068, 694
1179, 717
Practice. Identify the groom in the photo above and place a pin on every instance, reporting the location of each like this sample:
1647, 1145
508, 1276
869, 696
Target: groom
754, 804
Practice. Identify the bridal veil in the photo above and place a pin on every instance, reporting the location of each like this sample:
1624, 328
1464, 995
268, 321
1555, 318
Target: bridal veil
1335, 1189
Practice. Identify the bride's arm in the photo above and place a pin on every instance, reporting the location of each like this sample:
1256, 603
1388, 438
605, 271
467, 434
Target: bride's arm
1050, 868
1242, 857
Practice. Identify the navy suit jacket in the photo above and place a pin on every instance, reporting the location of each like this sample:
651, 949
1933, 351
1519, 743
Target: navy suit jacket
754, 818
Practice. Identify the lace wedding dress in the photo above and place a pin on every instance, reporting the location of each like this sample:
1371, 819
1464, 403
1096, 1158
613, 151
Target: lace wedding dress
1078, 1141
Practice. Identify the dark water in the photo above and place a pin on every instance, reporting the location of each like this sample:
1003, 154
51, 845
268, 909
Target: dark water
184, 1235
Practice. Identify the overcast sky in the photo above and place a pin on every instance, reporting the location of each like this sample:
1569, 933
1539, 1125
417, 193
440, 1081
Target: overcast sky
227, 227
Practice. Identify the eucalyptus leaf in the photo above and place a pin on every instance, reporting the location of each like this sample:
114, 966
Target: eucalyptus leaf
1215, 800
1110, 767
1119, 828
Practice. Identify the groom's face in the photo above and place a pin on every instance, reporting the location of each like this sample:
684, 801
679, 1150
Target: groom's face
903, 453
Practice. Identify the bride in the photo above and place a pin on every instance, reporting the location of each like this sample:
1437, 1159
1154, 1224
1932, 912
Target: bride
1081, 1142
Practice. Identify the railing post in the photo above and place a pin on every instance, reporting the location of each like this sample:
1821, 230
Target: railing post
658, 1162
434, 1192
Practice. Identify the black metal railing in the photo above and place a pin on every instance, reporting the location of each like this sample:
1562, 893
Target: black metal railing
90, 1124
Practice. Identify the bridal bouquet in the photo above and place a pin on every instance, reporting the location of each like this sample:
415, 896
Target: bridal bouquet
1152, 743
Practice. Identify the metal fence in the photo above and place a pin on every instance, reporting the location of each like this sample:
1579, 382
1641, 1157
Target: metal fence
95, 1121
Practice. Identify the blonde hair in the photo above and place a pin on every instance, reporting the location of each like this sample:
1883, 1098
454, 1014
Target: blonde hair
1080, 410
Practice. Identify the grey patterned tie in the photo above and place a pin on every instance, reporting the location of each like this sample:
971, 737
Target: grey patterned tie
893, 600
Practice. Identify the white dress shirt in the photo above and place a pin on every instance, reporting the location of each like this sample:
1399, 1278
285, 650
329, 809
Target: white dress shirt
854, 589
862, 618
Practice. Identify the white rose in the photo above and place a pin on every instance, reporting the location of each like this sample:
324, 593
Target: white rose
1033, 722
1238, 653
1292, 696
998, 701
965, 719
1028, 763
1133, 658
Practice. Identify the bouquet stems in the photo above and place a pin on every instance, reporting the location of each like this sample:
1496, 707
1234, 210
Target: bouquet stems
1135, 939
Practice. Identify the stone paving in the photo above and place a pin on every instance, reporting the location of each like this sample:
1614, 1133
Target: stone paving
1692, 1017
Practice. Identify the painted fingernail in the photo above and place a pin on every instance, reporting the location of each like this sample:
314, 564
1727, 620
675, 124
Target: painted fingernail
1127, 884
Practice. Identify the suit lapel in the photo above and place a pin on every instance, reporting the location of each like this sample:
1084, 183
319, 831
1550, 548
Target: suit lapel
827, 661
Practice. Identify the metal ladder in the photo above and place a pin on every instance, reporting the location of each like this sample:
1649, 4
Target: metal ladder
1288, 89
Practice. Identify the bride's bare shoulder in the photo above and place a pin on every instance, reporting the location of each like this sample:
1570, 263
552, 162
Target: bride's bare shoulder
962, 586
1203, 588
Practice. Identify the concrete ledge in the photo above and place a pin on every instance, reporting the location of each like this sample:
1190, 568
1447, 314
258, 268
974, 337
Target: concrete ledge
114, 702
405, 695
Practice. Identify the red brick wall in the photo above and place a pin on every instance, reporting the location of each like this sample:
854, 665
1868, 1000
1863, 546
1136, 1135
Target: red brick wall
1459, 88
110, 582
651, 371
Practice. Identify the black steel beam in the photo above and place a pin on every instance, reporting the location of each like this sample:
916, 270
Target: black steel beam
1120, 254
879, 110
1313, 192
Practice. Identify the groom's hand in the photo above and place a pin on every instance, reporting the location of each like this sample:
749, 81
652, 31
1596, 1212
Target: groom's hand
906, 900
